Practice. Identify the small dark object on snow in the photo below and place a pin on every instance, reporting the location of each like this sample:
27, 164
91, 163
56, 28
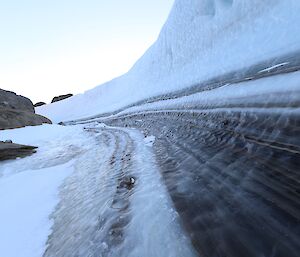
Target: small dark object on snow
63, 124
225, 122
127, 182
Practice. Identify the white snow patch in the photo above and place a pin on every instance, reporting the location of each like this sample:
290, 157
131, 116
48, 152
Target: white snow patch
29, 187
26, 201
149, 140
274, 67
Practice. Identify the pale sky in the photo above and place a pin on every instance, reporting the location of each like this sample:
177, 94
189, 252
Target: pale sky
52, 47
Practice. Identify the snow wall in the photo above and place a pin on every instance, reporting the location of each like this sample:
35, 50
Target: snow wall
201, 39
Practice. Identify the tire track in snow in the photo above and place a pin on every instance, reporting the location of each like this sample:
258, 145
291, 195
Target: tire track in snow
93, 211
99, 215
233, 177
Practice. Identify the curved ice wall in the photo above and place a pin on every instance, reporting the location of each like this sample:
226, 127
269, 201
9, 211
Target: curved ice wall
201, 39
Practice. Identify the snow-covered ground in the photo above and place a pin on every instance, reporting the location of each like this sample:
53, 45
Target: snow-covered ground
27, 200
201, 39
69, 189
29, 187
51, 202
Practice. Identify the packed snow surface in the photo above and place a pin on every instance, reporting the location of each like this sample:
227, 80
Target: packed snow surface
149, 140
27, 199
201, 39
72, 180
29, 187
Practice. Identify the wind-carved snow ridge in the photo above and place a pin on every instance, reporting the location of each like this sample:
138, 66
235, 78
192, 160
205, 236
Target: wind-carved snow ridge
274, 67
201, 40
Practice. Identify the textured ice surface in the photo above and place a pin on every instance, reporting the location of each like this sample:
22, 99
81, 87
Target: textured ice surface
69, 198
29, 187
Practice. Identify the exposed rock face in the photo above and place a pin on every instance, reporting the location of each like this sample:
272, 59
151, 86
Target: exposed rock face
39, 104
12, 151
11, 100
10, 118
17, 111
61, 97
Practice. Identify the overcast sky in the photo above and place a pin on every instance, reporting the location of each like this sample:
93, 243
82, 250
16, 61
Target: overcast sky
52, 47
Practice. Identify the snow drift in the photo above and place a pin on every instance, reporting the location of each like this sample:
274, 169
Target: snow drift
200, 40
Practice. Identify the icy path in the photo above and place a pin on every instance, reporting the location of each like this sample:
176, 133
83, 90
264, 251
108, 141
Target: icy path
100, 215
233, 177
97, 212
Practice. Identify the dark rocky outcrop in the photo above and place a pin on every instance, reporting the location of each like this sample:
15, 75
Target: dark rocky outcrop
17, 111
11, 100
10, 151
39, 104
10, 118
61, 97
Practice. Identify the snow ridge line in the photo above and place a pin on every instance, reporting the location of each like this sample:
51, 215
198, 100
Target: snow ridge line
274, 67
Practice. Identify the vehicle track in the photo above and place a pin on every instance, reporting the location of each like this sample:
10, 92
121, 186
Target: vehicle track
84, 225
233, 177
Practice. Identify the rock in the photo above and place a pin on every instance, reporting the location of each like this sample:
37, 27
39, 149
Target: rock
11, 100
61, 97
39, 104
10, 118
10, 151
17, 111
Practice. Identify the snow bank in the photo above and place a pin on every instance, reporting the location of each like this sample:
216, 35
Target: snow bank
231, 94
201, 39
